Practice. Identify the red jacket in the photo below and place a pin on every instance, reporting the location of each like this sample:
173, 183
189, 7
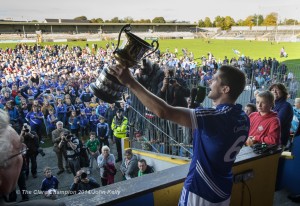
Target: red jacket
265, 128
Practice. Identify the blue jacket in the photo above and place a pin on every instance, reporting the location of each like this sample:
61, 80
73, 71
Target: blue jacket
285, 115
102, 130
296, 119
73, 122
94, 120
83, 121
49, 183
34, 118
13, 114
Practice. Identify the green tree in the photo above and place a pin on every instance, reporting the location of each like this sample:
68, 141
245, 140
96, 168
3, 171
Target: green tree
80, 18
219, 22
144, 21
248, 21
228, 22
271, 19
98, 20
239, 22
207, 22
257, 20
201, 23
158, 20
115, 20
128, 19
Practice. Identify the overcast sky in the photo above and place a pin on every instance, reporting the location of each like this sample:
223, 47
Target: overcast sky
181, 10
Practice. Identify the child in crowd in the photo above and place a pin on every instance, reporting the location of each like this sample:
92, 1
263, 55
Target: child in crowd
264, 124
101, 108
94, 120
78, 106
102, 132
250, 108
51, 121
74, 123
93, 103
93, 147
83, 124
61, 110
49, 184
88, 110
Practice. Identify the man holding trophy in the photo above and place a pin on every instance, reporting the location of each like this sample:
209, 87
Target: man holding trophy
219, 133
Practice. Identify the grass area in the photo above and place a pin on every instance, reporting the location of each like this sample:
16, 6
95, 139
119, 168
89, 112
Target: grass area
47, 143
219, 48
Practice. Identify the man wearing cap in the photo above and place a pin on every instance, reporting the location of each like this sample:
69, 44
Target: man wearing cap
119, 127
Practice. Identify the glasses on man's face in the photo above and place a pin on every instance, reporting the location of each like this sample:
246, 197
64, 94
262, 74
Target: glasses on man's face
22, 151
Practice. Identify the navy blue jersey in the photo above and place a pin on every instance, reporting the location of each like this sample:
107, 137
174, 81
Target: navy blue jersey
219, 134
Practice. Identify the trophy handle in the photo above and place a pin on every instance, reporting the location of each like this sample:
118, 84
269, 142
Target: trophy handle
157, 45
127, 28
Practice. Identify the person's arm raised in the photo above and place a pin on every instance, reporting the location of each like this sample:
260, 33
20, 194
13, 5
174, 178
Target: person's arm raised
159, 107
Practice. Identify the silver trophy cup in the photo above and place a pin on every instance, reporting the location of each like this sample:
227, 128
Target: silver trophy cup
130, 53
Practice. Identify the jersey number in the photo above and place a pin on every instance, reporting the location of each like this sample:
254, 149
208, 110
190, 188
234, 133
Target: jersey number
234, 149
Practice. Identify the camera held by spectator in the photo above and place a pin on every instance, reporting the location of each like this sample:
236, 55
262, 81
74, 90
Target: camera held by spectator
41, 152
25, 128
27, 133
150, 75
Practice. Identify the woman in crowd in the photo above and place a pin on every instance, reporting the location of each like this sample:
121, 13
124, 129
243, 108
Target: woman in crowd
46, 111
284, 110
264, 124
106, 163
78, 105
73, 123
129, 167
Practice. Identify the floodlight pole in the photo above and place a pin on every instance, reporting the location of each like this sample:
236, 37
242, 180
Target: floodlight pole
24, 31
276, 29
294, 27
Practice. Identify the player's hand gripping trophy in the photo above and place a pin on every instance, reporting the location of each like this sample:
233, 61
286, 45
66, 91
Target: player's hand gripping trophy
130, 53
